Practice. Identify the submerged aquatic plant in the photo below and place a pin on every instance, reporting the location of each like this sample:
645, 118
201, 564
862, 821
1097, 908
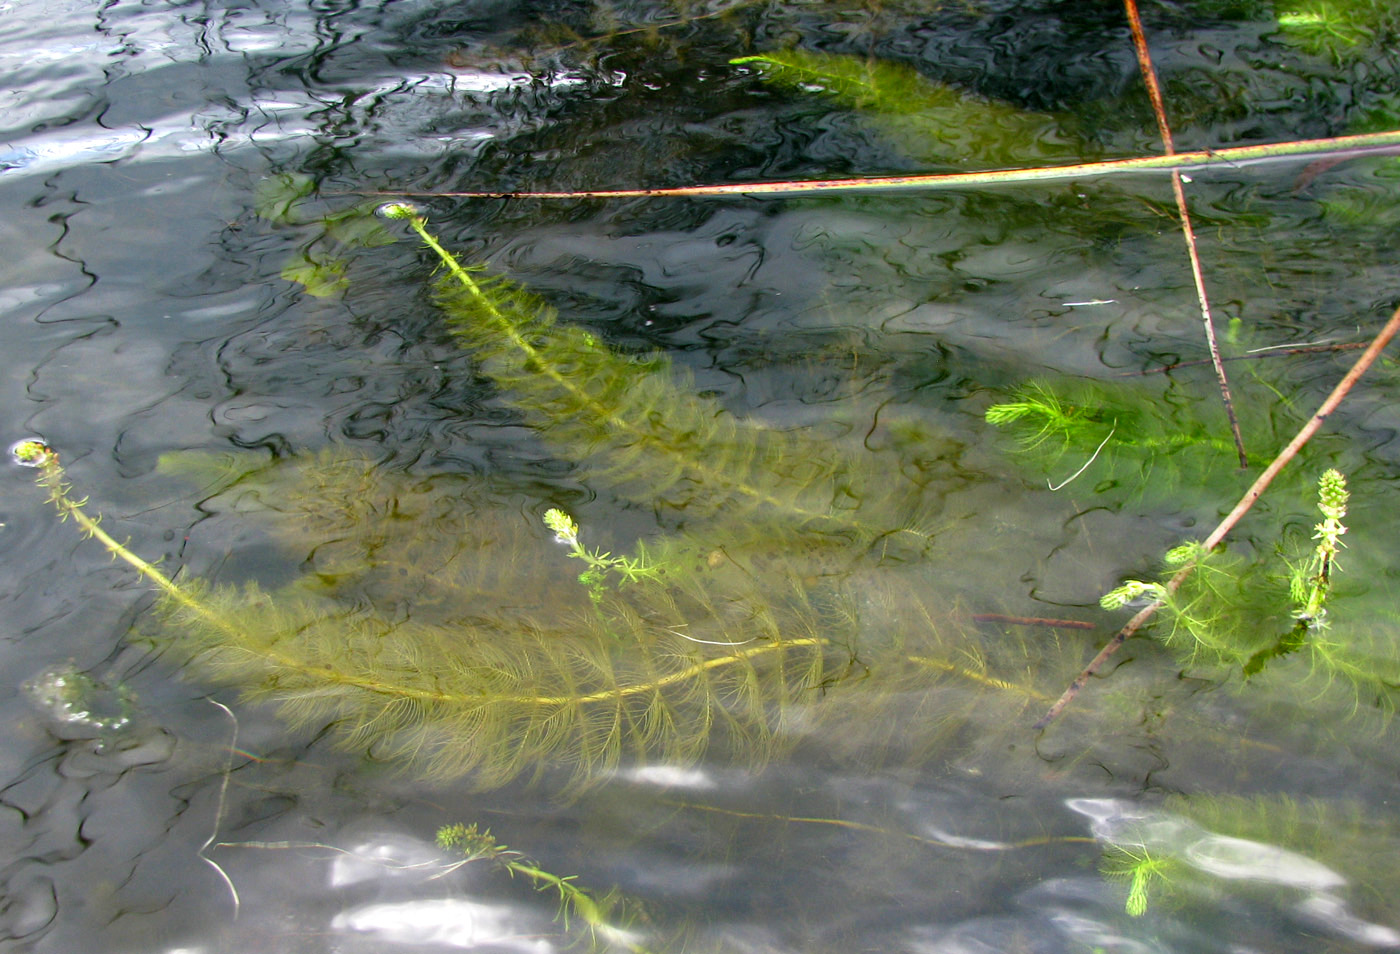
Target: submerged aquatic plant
1114, 437
1228, 612
1145, 872
1312, 581
1301, 856
601, 565
504, 667
921, 117
633, 423
605, 917
493, 693
1333, 28
1043, 417
1207, 613
724, 654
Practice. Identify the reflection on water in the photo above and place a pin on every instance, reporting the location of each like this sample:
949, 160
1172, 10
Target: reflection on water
900, 801
1323, 890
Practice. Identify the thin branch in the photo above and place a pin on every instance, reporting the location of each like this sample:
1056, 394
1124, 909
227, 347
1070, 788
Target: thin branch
1381, 143
1031, 621
1304, 435
1278, 351
1154, 93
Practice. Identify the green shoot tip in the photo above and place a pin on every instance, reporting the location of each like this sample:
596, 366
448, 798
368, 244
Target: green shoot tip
399, 210
564, 527
32, 452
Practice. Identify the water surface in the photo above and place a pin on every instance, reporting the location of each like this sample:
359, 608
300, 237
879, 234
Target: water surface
899, 802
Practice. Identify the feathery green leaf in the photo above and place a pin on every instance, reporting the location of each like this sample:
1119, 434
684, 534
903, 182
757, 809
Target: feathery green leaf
927, 120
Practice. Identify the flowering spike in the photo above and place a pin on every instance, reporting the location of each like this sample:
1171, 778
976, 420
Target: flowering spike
399, 210
1332, 495
564, 526
32, 452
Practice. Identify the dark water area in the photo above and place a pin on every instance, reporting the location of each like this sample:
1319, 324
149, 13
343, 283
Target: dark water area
793, 708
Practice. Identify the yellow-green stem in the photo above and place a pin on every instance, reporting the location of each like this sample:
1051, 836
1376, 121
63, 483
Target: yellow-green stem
51, 479
707, 475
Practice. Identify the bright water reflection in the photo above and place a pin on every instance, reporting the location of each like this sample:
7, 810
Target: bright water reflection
147, 315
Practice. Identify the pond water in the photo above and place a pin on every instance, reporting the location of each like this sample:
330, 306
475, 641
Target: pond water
792, 707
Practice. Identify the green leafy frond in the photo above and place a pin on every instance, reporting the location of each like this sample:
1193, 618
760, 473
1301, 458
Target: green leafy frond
924, 118
1223, 613
502, 666
495, 698
648, 669
1038, 416
1230, 612
1264, 845
481, 687
1145, 872
1341, 29
1361, 664
633, 423
1350, 839
606, 917
1117, 440
501, 648
861, 83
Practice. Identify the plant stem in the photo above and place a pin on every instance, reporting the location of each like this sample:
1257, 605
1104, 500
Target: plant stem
474, 844
959, 845
642, 434
1217, 535
1154, 93
51, 478
1381, 143
680, 676
37, 454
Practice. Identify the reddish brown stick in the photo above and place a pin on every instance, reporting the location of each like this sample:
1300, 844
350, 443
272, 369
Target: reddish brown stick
1154, 93
1031, 621
1304, 435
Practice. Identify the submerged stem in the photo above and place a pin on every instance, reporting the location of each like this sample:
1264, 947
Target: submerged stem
35, 453
692, 456
1383, 143
1188, 232
680, 676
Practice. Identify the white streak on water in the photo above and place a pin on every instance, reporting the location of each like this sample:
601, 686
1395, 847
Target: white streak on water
447, 921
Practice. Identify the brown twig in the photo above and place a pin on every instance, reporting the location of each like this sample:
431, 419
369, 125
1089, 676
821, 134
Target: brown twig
1031, 621
1154, 93
1304, 435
